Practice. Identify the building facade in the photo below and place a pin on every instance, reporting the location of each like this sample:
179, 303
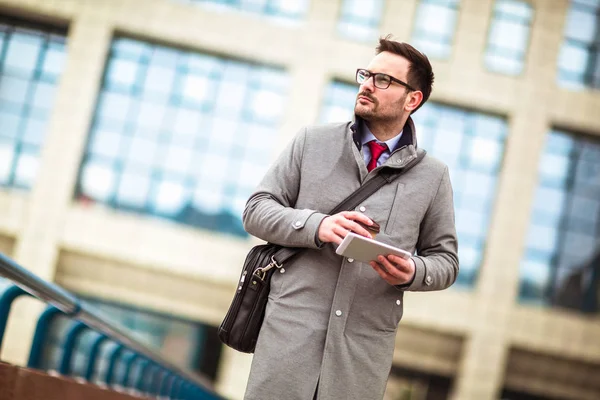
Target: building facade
133, 131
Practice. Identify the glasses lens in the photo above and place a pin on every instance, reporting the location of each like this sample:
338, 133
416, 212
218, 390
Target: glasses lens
382, 81
362, 76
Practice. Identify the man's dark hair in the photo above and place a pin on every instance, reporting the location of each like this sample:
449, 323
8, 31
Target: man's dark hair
420, 75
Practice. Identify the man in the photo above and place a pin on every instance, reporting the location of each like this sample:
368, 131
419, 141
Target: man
331, 322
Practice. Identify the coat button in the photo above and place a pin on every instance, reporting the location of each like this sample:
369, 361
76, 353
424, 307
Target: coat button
428, 280
398, 302
362, 209
282, 271
338, 313
351, 260
298, 223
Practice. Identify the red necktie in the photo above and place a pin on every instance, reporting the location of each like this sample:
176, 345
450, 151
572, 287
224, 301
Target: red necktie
376, 152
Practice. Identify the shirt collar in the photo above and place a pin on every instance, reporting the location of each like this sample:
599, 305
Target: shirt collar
367, 136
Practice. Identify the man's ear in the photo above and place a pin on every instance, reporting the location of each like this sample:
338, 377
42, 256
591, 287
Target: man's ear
413, 100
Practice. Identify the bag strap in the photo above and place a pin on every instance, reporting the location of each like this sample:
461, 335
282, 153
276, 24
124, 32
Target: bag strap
385, 176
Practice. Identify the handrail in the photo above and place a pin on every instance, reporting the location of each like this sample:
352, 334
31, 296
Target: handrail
73, 307
37, 287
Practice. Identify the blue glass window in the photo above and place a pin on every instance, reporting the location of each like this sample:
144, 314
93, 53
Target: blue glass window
509, 36
181, 135
470, 143
195, 345
434, 27
286, 11
564, 231
31, 61
579, 58
339, 102
360, 19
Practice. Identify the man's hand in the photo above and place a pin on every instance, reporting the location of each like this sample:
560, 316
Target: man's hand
394, 270
333, 229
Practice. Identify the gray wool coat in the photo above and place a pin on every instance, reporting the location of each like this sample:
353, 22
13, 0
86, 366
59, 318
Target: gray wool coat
332, 321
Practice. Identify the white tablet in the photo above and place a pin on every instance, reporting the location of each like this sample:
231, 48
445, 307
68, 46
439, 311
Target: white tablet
365, 249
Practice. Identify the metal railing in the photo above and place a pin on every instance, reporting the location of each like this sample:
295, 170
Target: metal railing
143, 370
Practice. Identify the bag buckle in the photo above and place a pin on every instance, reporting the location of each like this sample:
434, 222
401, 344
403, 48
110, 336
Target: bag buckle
261, 272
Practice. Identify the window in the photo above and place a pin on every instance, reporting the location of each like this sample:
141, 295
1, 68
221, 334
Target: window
287, 11
360, 19
470, 143
31, 61
509, 36
561, 264
435, 23
181, 135
339, 101
579, 58
195, 345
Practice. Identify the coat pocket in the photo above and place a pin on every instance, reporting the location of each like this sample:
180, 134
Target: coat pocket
398, 211
406, 214
380, 206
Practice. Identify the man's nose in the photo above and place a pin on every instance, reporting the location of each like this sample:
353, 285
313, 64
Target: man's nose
368, 85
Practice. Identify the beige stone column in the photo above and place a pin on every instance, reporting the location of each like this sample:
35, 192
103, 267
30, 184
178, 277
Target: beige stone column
472, 27
308, 74
394, 19
38, 245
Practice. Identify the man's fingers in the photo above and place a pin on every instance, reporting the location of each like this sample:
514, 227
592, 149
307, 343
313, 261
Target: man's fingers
356, 228
340, 224
399, 261
333, 238
389, 267
390, 272
339, 231
336, 239
357, 216
398, 271
380, 271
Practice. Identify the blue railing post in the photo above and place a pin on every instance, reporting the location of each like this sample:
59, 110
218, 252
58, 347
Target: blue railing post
139, 384
94, 350
129, 359
112, 362
8, 296
155, 380
40, 336
69, 346
175, 388
163, 389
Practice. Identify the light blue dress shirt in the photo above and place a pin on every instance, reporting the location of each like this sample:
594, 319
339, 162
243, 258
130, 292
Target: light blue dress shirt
367, 136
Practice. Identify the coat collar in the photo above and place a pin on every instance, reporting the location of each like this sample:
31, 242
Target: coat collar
408, 136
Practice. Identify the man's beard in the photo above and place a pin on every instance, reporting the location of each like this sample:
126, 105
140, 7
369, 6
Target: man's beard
371, 113
366, 113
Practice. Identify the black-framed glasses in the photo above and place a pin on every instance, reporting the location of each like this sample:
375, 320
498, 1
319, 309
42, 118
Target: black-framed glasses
380, 80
